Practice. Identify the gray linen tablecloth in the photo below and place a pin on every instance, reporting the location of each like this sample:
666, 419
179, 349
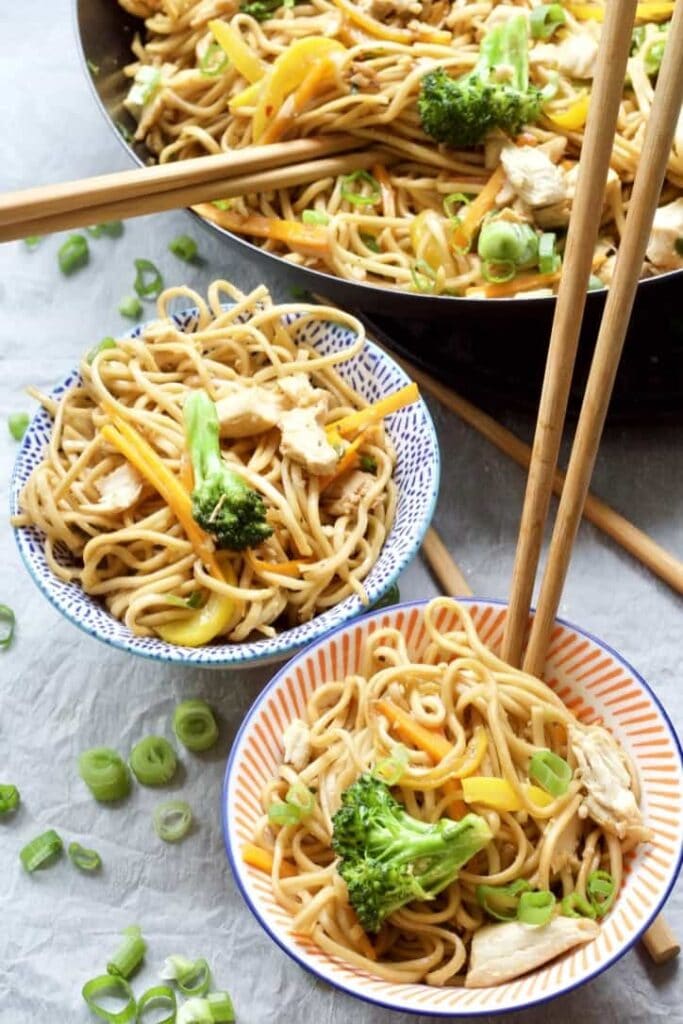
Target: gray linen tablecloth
61, 692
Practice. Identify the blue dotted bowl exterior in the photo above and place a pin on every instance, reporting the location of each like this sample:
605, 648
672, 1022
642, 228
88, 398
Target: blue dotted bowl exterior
373, 374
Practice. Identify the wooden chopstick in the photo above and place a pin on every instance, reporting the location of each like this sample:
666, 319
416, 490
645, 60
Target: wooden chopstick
606, 96
659, 135
188, 195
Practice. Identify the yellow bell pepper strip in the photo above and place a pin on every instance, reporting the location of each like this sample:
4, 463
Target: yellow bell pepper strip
473, 756
348, 461
464, 233
239, 53
204, 624
306, 238
499, 794
247, 98
352, 424
262, 859
286, 75
320, 79
656, 10
388, 32
574, 117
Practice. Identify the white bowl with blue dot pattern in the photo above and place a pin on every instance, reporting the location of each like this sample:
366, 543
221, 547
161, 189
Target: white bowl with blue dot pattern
373, 374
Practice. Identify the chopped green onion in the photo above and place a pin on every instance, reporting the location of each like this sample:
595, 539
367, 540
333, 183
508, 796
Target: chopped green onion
172, 820
368, 463
112, 229
163, 994
678, 245
9, 798
454, 197
545, 20
41, 851
284, 814
130, 306
153, 761
357, 198
315, 217
390, 769
193, 977
389, 597
507, 243
502, 901
300, 796
548, 259
148, 281
216, 1008
184, 247
536, 907
93, 68
110, 986
83, 858
424, 276
18, 424
194, 725
124, 131
222, 204
101, 347
104, 773
214, 62
501, 275
369, 241
73, 254
576, 905
551, 772
601, 891
300, 294
595, 284
129, 955
31, 241
195, 600
7, 624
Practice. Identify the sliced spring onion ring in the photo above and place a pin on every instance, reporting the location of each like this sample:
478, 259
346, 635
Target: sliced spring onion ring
551, 772
83, 858
31, 241
216, 1008
112, 229
369, 465
536, 907
131, 307
284, 814
194, 725
151, 999
101, 347
545, 20
104, 773
9, 798
300, 796
506, 270
17, 423
184, 247
73, 254
601, 891
357, 198
172, 820
41, 851
576, 905
423, 275
7, 624
153, 761
454, 197
197, 980
315, 217
148, 281
369, 241
548, 259
129, 955
214, 62
391, 768
502, 901
105, 984
389, 597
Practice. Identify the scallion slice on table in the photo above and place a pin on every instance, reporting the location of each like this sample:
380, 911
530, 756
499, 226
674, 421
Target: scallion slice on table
193, 977
110, 986
129, 955
100, 347
31, 241
104, 773
153, 761
9, 798
216, 1008
41, 851
551, 772
172, 820
7, 624
112, 229
83, 858
17, 423
148, 280
131, 307
184, 247
157, 998
536, 907
73, 254
195, 725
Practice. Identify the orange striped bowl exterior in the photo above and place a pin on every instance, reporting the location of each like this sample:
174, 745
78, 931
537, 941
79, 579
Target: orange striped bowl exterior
594, 681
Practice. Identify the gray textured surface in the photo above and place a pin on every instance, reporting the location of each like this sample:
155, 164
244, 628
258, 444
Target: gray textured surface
61, 692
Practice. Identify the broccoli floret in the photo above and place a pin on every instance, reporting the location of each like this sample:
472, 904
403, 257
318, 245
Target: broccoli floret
389, 858
222, 503
496, 94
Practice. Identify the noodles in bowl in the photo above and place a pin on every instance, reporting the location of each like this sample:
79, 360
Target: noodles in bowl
533, 797
311, 520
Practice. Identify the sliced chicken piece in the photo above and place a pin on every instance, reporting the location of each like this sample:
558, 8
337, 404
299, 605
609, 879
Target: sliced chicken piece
298, 391
533, 175
602, 769
500, 952
346, 494
245, 411
665, 248
118, 490
297, 739
576, 55
304, 440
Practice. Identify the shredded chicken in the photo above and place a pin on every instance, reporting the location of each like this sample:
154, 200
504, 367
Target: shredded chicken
345, 495
298, 391
605, 777
118, 490
304, 440
297, 740
575, 56
533, 175
245, 411
665, 248
500, 952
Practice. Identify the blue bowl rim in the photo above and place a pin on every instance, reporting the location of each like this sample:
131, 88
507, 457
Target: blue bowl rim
346, 988
278, 647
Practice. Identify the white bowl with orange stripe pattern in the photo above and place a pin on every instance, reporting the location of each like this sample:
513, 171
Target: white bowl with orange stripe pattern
595, 682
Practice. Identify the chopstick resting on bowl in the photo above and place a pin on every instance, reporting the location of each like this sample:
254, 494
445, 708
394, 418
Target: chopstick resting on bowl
50, 208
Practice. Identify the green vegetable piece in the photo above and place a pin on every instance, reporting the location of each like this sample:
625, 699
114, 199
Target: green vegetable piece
7, 625
369, 241
390, 769
424, 276
548, 260
172, 820
536, 907
93, 68
216, 1008
368, 463
389, 597
83, 858
314, 217
389, 858
576, 905
601, 891
102, 346
104, 773
261, 9
214, 62
223, 503
153, 761
359, 198
131, 307
195, 725
112, 229
284, 814
506, 241
461, 112
156, 998
129, 955
502, 901
148, 282
300, 797
197, 980
124, 131
73, 254
9, 798
184, 247
107, 985
545, 19
32, 241
42, 851
17, 423
551, 772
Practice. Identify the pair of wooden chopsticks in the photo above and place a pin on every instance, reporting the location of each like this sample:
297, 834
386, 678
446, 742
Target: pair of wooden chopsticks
72, 204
